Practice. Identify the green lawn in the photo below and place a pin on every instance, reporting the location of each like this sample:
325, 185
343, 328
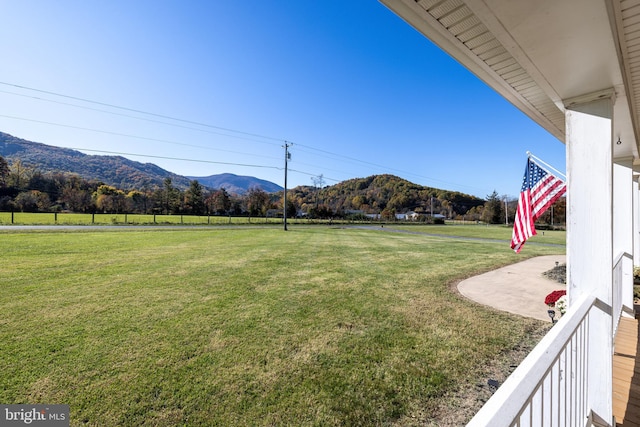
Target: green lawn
28, 218
316, 326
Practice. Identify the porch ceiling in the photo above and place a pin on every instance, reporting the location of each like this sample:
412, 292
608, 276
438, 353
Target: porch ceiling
543, 55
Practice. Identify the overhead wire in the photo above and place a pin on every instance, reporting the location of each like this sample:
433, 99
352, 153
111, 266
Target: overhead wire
159, 140
38, 98
105, 104
177, 158
119, 153
323, 153
84, 107
130, 136
386, 168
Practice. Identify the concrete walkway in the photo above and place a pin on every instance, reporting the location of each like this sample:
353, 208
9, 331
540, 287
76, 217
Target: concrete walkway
518, 288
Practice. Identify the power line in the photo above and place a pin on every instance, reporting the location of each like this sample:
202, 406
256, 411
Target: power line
198, 161
138, 111
159, 140
177, 158
130, 136
386, 168
135, 117
191, 122
148, 120
314, 175
160, 122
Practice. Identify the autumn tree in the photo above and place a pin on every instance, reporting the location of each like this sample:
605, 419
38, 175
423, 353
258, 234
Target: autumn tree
257, 201
388, 214
323, 212
474, 214
76, 195
398, 201
32, 201
358, 201
219, 202
292, 209
18, 175
109, 199
137, 201
4, 172
43, 183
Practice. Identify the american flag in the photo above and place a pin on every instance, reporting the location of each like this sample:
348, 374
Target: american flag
540, 190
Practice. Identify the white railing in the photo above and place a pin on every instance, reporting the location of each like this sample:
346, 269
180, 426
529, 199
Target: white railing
550, 387
622, 288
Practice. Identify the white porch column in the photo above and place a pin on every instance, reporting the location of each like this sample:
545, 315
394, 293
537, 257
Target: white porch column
636, 220
590, 235
623, 238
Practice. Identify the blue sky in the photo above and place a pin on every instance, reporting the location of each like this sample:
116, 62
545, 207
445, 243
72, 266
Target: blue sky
351, 86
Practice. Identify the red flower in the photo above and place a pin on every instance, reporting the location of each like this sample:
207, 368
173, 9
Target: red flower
554, 296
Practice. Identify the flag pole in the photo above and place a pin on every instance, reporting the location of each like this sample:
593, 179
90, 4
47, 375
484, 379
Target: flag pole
542, 164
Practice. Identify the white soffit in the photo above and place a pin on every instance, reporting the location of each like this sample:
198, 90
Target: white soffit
538, 53
627, 23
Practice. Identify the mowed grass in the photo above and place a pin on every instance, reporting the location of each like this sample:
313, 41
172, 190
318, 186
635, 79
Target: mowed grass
314, 326
29, 218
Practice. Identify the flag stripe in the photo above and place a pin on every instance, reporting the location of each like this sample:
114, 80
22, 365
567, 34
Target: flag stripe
544, 195
540, 190
523, 225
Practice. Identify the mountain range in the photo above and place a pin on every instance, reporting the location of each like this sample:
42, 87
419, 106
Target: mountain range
376, 193
236, 184
117, 171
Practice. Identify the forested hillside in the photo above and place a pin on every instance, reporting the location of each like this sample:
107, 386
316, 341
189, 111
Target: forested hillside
113, 170
378, 194
38, 177
116, 171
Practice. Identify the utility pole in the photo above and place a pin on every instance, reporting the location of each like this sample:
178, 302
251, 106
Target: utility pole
287, 157
506, 213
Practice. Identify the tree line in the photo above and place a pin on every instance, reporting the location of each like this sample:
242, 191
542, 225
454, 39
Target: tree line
502, 210
24, 188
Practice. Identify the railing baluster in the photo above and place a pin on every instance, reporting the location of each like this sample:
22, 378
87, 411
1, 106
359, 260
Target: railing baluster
573, 419
565, 384
549, 387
